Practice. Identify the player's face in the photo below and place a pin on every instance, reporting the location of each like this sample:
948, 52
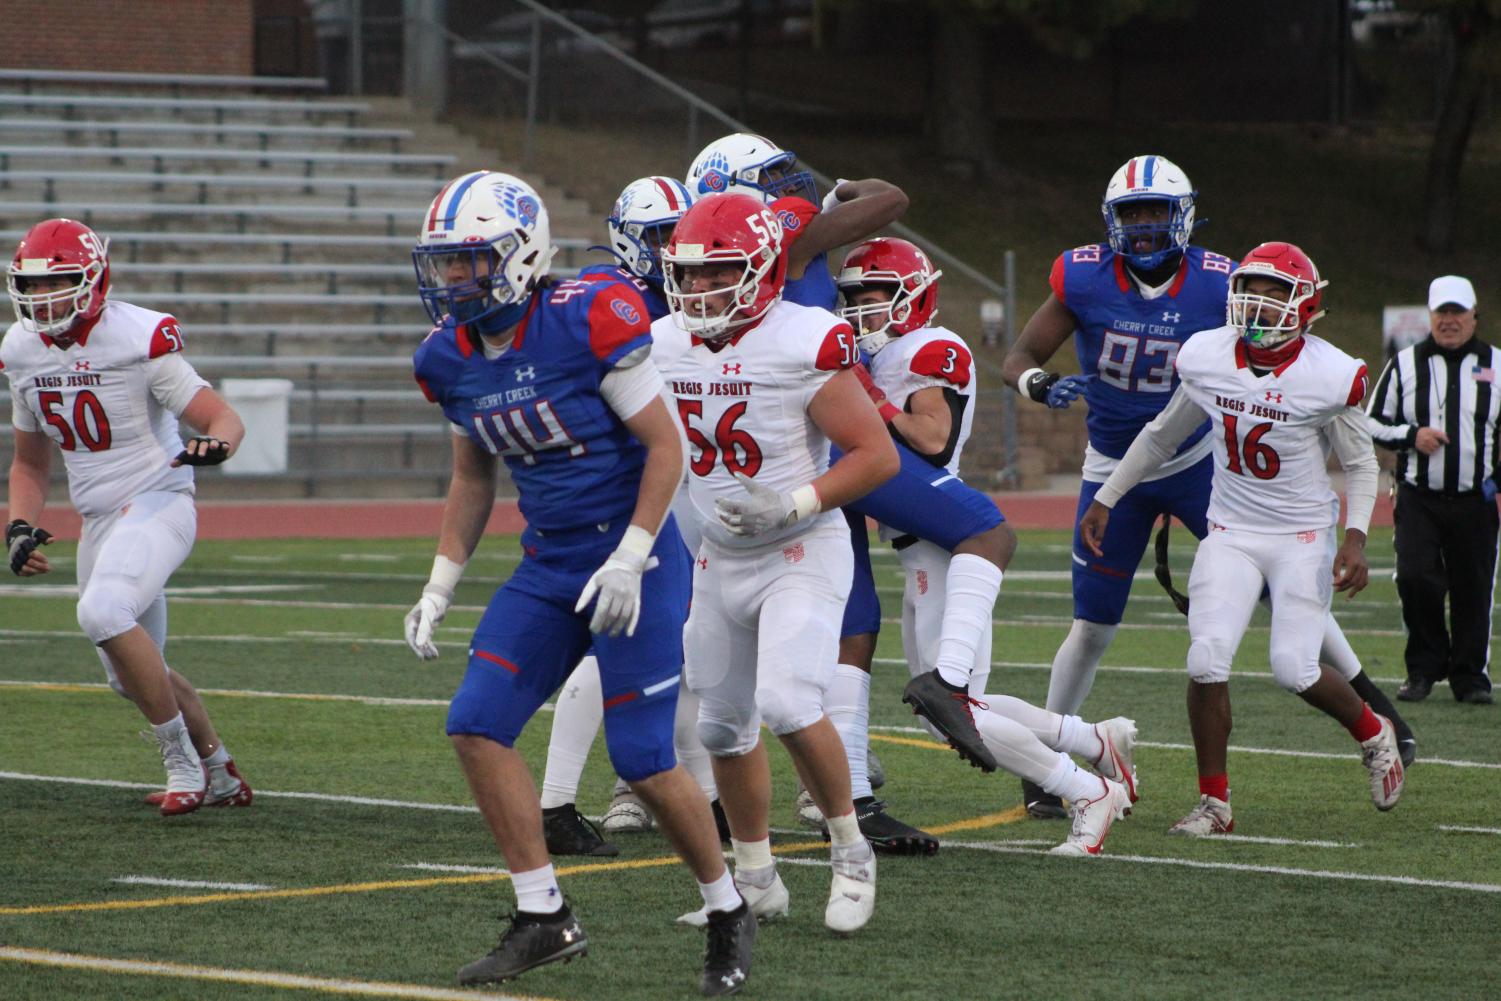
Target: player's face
1151, 218
1452, 325
58, 305
466, 269
874, 305
720, 280
1267, 315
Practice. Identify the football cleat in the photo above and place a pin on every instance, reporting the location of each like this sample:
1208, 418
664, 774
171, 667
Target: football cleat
948, 709
1211, 816
768, 903
568, 832
874, 770
852, 895
1384, 762
1409, 751
888, 835
531, 941
1042, 805
1116, 761
186, 782
627, 814
727, 956
1092, 820
808, 813
230, 790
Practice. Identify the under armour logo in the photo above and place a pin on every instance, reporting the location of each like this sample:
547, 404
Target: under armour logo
81, 365
732, 978
1171, 317
703, 563
1272, 397
529, 372
731, 369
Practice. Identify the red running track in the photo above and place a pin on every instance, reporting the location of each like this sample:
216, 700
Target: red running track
346, 519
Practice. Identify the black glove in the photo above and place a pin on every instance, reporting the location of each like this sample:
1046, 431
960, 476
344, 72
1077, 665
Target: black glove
22, 538
211, 452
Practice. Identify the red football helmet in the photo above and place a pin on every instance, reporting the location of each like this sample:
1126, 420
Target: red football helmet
65, 248
914, 293
725, 229
1265, 321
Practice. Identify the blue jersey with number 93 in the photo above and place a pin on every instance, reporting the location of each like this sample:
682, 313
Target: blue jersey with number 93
1131, 343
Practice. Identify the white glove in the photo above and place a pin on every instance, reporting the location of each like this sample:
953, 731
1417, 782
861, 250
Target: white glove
764, 510
830, 199
618, 584
425, 616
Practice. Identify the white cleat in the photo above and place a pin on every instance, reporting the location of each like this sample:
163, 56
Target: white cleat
1383, 760
768, 903
1117, 761
627, 814
186, 783
1092, 820
1211, 816
852, 896
808, 813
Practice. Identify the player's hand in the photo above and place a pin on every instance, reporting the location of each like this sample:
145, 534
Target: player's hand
763, 510
1066, 390
877, 395
202, 451
22, 539
618, 585
424, 618
1351, 571
1092, 527
1430, 440
831, 199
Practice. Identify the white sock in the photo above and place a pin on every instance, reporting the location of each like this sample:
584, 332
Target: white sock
537, 891
1078, 737
973, 584
1070, 781
690, 751
219, 779
721, 894
844, 832
579, 709
170, 729
847, 704
1015, 747
752, 854
1075, 663
219, 758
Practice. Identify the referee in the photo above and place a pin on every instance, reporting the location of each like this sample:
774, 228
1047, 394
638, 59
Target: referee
1438, 406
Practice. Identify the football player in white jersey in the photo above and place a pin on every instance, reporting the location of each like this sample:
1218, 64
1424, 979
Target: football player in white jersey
107, 383
1279, 399
761, 388
923, 383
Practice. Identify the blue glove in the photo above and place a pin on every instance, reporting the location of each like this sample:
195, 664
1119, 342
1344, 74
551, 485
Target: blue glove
1488, 490
1067, 389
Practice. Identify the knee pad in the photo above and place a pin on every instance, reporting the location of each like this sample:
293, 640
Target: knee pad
790, 708
105, 610
638, 735
1293, 670
1208, 662
723, 734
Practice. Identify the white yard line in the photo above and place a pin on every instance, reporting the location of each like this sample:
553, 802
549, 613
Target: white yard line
259, 978
260, 793
188, 884
1458, 829
1254, 840
435, 867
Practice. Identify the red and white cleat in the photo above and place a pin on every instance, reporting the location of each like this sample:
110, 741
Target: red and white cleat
1211, 816
1384, 763
1092, 820
1117, 760
228, 788
187, 784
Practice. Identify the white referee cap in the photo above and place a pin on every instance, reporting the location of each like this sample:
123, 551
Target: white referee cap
1451, 289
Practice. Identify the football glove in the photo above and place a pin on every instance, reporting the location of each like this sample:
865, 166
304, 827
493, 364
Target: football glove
617, 583
764, 509
210, 452
1066, 390
21, 539
424, 618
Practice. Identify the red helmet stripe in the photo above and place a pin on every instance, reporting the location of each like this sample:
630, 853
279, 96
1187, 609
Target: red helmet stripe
668, 193
1131, 173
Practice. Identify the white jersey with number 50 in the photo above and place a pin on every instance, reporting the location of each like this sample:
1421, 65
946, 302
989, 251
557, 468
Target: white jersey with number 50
110, 402
745, 407
1271, 445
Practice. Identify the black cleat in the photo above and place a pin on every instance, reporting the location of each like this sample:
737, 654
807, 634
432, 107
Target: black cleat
1413, 690
727, 957
1042, 805
1408, 750
948, 709
720, 821
531, 941
569, 832
888, 835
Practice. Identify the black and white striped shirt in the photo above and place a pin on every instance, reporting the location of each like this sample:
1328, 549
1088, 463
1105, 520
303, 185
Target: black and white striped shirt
1455, 391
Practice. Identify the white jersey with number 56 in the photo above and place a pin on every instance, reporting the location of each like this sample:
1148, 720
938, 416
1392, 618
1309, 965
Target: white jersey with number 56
744, 407
110, 402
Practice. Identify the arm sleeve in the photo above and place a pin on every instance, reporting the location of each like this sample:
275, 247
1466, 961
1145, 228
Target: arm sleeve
1381, 413
1156, 444
629, 390
1351, 439
173, 381
21, 417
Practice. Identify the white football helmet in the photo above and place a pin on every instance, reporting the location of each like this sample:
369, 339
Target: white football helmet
1149, 178
751, 165
484, 246
641, 223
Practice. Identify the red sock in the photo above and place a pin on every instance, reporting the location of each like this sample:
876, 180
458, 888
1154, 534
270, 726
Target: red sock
1367, 726
1217, 786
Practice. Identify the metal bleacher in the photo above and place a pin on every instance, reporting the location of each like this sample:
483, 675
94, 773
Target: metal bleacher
284, 249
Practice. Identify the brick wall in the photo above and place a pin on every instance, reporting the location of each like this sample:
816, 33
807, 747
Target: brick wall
159, 36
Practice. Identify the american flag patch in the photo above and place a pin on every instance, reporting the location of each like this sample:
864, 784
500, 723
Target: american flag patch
793, 553
1483, 374
922, 582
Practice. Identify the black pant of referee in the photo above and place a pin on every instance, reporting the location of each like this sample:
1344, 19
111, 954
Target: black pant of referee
1446, 545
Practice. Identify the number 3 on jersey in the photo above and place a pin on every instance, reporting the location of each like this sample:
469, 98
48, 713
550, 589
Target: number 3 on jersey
741, 452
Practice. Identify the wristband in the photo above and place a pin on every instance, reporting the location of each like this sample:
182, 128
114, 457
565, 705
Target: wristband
805, 502
636, 542
1035, 383
888, 411
445, 576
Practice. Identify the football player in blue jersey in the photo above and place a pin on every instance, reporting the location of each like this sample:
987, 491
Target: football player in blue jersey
556, 380
1129, 304
922, 500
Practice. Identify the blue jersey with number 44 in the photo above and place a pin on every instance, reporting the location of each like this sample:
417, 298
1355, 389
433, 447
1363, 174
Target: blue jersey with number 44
1130, 343
538, 405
